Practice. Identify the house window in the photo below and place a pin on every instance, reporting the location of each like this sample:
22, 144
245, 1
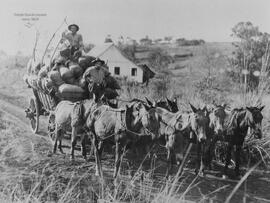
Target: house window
134, 72
117, 70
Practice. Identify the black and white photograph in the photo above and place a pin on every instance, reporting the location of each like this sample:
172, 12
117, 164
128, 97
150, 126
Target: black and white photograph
135, 101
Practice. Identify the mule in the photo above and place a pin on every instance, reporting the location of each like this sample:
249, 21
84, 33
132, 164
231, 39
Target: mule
170, 105
239, 122
173, 126
70, 116
217, 116
119, 126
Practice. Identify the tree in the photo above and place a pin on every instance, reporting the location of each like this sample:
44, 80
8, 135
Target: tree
250, 48
146, 41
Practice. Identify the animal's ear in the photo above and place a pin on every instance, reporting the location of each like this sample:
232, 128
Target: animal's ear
175, 100
224, 105
139, 106
178, 116
168, 100
205, 110
261, 108
193, 108
148, 101
248, 108
214, 103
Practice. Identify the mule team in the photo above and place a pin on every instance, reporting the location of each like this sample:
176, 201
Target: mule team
139, 123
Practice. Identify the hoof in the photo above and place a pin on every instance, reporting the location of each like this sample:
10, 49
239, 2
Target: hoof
224, 177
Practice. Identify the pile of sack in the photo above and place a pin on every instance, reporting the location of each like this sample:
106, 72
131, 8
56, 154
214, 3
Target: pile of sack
72, 80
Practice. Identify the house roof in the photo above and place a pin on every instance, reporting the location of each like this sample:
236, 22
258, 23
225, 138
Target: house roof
98, 50
148, 69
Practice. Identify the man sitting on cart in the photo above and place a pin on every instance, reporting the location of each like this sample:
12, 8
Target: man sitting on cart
75, 39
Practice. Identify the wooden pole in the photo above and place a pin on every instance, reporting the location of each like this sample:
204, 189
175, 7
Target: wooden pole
35, 45
52, 39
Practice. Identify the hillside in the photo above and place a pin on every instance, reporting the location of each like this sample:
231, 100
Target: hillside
199, 62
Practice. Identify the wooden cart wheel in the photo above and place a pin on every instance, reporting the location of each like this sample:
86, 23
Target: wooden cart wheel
51, 127
34, 119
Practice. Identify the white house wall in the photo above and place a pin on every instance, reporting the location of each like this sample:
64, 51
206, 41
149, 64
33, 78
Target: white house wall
116, 59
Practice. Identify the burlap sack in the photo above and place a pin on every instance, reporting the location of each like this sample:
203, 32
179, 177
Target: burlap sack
71, 92
76, 70
65, 73
55, 77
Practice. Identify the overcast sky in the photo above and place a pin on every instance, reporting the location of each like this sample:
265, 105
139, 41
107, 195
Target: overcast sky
210, 20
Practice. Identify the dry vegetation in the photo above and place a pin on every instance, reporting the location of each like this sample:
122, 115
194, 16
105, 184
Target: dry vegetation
38, 178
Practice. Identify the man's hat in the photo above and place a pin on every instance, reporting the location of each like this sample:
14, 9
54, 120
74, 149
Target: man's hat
98, 60
69, 27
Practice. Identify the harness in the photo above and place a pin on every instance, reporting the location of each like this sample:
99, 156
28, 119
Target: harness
121, 117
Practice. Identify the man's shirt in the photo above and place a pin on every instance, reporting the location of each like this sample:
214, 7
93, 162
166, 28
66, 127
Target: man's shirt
75, 40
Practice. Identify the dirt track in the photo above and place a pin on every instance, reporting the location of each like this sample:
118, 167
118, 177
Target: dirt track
20, 148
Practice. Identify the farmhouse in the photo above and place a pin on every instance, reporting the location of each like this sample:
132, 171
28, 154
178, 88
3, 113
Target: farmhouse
120, 66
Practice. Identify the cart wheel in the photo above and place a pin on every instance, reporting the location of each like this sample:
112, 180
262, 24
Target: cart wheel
51, 127
34, 119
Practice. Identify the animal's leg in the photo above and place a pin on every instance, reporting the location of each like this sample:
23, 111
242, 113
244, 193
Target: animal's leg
83, 145
100, 148
60, 143
228, 159
169, 162
131, 161
92, 148
210, 152
117, 159
97, 158
237, 160
73, 142
202, 160
207, 153
152, 157
57, 135
198, 158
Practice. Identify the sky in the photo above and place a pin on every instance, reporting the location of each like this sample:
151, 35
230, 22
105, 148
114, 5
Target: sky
210, 20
